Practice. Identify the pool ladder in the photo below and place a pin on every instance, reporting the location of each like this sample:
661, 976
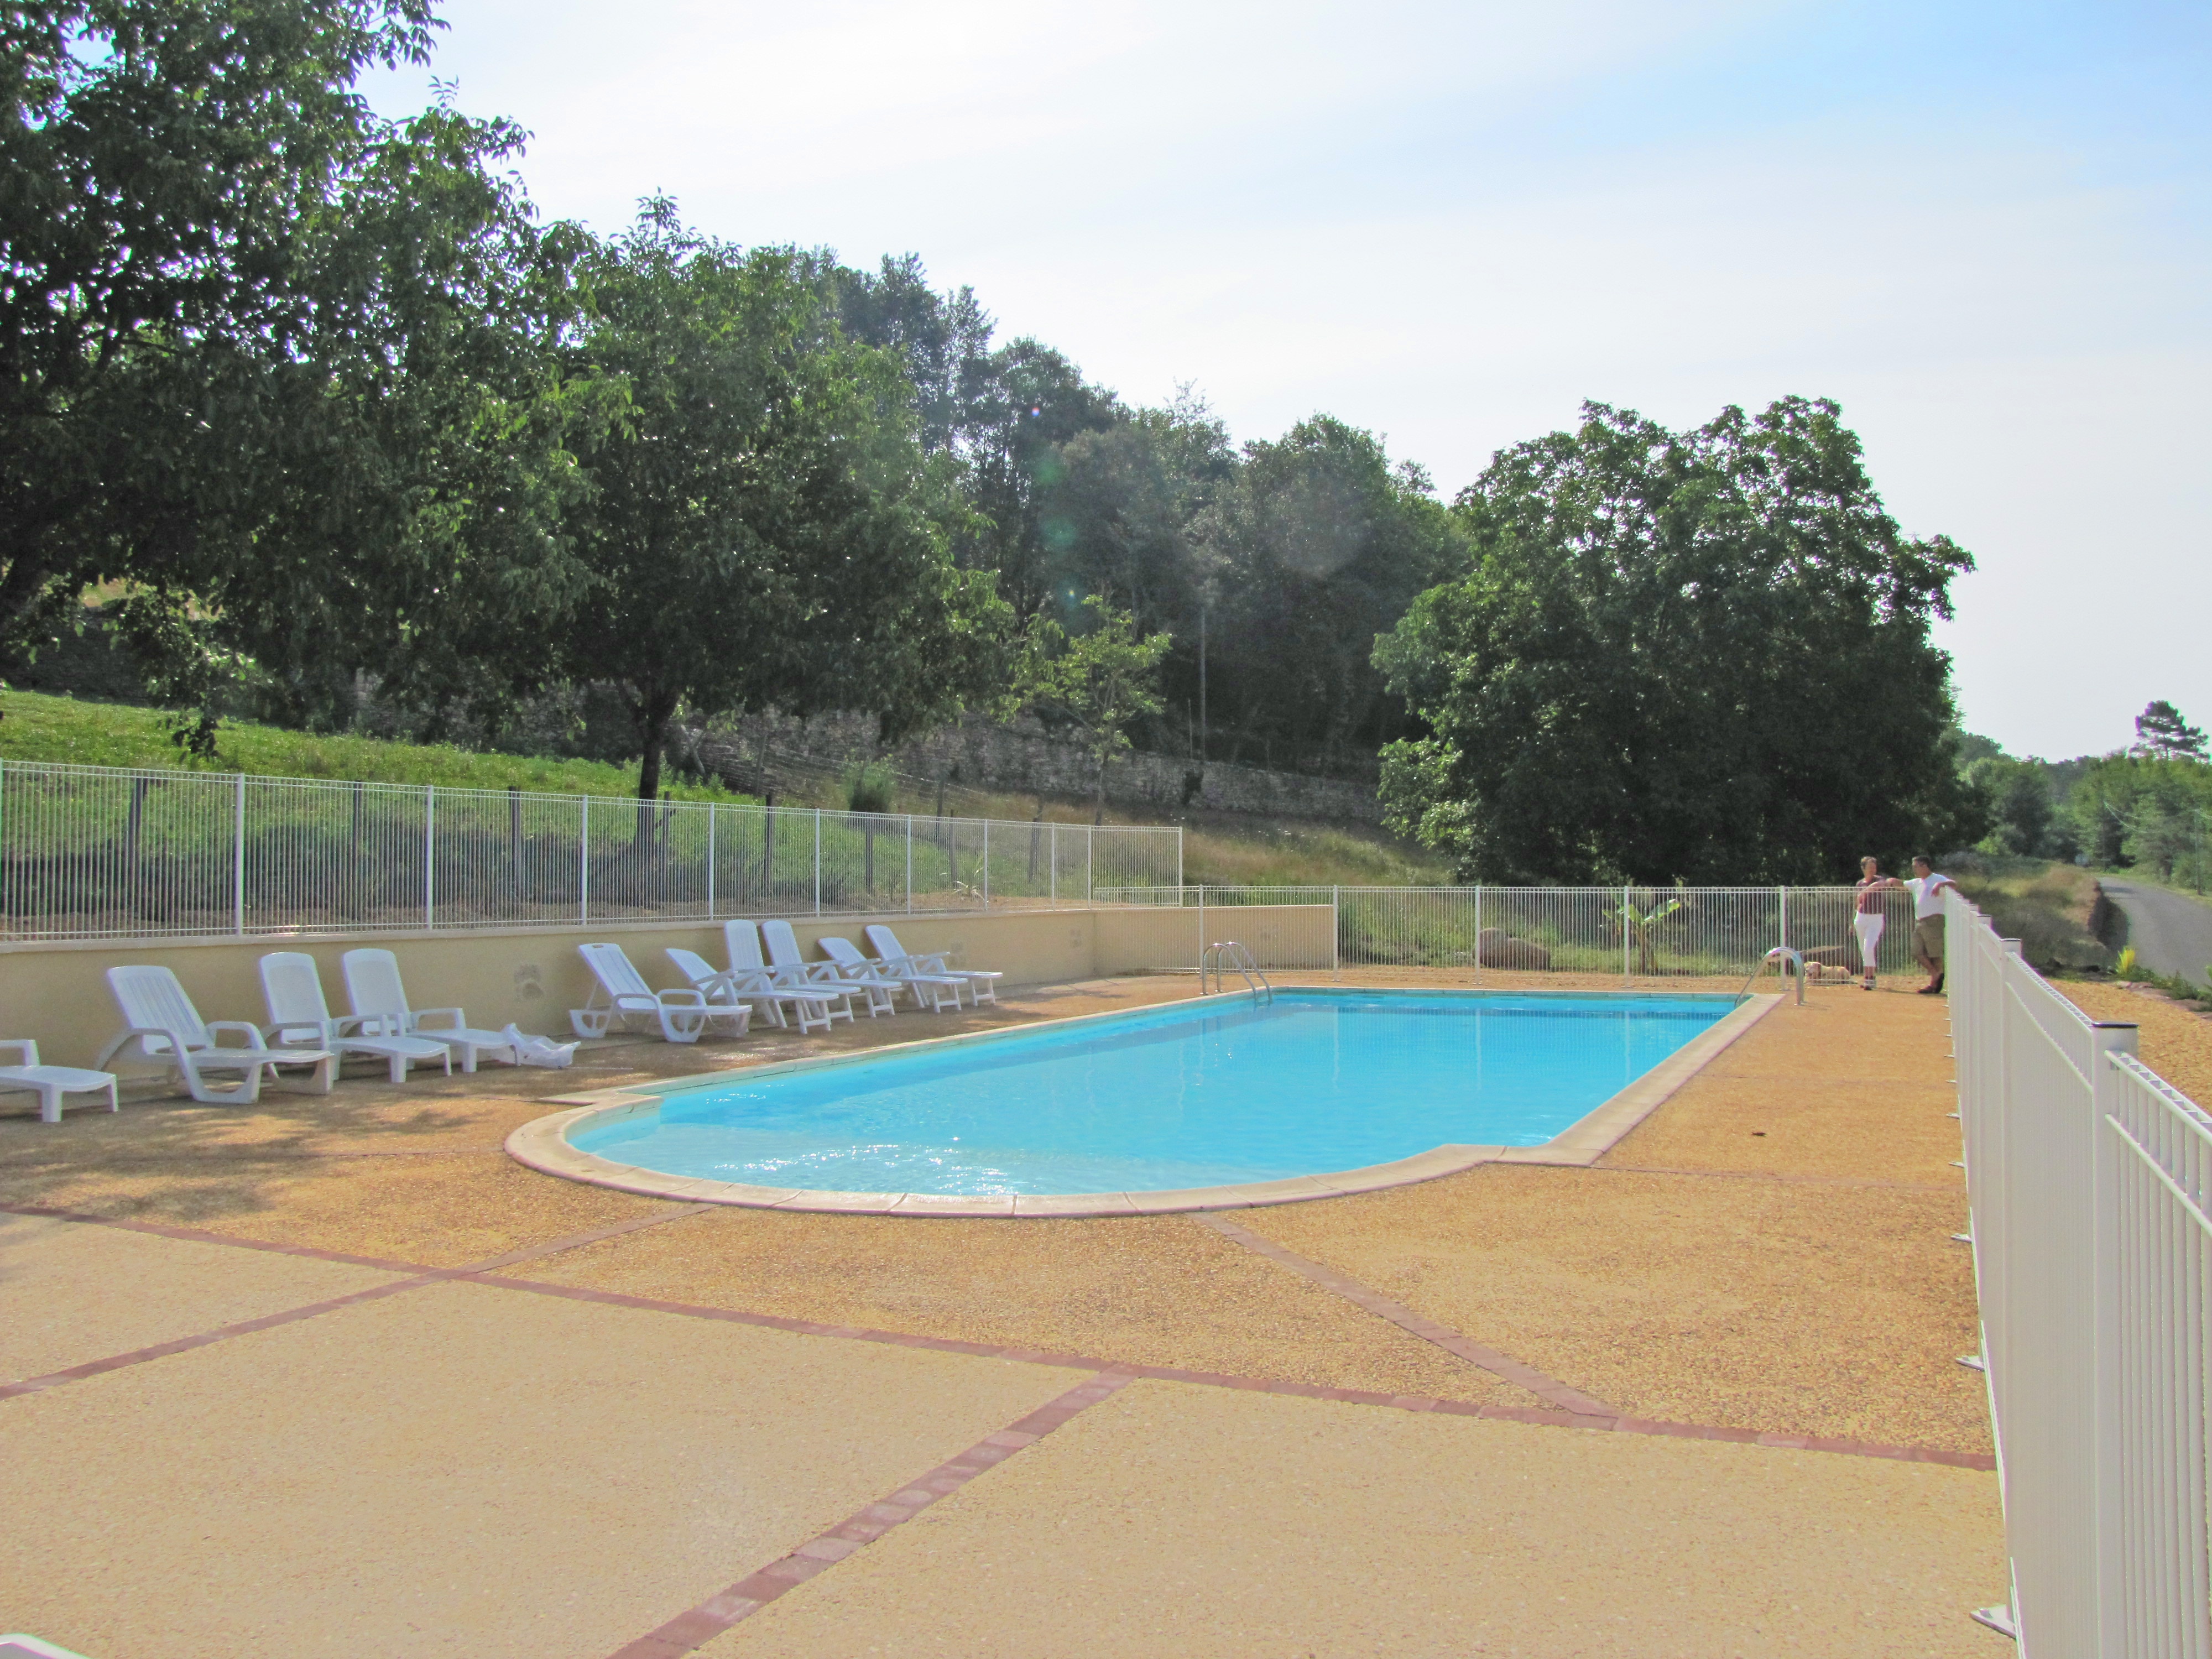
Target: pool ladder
1225, 956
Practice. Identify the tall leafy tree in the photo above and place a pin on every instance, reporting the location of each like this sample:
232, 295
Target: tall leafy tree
2162, 734
1101, 681
1701, 654
763, 527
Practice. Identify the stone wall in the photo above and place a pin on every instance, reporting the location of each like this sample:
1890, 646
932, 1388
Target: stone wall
1019, 758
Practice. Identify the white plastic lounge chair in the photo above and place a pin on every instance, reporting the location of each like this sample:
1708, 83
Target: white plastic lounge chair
160, 1018
881, 989
983, 983
51, 1082
935, 991
682, 1015
298, 1013
783, 954
743, 939
379, 1002
753, 987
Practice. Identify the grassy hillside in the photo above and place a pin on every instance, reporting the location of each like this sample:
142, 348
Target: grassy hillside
35, 727
2051, 909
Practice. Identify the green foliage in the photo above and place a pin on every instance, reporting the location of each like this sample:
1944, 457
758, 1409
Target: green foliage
2155, 814
1701, 655
2162, 734
870, 789
1101, 681
2129, 965
2022, 812
761, 526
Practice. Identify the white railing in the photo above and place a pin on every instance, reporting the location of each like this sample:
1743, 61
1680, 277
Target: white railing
1635, 933
91, 851
2090, 1179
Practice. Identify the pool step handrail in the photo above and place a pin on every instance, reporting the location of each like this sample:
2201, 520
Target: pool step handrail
1786, 961
1224, 957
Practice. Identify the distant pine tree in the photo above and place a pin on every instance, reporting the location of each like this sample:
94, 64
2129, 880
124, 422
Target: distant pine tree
2162, 734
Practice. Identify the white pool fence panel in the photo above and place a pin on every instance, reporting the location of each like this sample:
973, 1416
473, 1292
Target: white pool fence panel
1634, 933
90, 851
2090, 1180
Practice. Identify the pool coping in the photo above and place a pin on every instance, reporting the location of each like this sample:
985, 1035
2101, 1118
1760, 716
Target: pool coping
543, 1144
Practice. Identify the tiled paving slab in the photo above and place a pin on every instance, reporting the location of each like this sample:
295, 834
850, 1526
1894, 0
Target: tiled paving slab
70, 1294
458, 1469
1171, 1521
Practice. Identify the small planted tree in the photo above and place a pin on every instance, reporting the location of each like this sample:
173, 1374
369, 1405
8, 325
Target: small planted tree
1101, 682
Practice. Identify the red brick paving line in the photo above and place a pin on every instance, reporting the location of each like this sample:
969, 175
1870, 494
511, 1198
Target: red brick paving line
418, 1277
477, 1274
1498, 1364
694, 1628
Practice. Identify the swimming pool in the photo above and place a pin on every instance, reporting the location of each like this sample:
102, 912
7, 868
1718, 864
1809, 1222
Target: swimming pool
1222, 1092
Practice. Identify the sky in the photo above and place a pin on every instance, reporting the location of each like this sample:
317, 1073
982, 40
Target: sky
1981, 228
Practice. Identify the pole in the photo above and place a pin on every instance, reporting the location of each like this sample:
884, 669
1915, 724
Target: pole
238, 864
1335, 948
584, 861
710, 860
1623, 936
909, 864
1781, 917
1478, 933
1089, 846
1052, 876
1201, 938
1202, 687
429, 854
987, 864
817, 861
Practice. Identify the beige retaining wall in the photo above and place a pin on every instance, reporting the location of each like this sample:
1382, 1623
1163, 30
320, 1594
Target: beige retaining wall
54, 991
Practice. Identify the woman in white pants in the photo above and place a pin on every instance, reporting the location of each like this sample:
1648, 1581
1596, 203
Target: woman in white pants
1868, 920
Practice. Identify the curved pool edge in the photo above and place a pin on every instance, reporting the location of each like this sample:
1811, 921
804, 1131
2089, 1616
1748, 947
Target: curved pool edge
543, 1144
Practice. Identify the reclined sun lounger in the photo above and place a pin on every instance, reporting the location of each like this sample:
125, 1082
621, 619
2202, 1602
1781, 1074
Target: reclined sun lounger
683, 1015
161, 1019
379, 1002
934, 991
881, 989
783, 953
298, 1013
51, 1082
744, 939
751, 988
983, 983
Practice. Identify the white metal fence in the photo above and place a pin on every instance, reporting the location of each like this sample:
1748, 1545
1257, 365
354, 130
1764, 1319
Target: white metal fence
105, 852
1637, 932
2090, 1182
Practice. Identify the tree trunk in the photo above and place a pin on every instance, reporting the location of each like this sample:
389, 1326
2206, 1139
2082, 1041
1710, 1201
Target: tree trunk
652, 711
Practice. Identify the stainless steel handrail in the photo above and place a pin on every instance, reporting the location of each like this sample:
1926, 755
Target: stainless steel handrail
1221, 957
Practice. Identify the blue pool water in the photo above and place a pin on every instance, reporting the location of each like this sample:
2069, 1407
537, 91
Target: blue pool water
1172, 1097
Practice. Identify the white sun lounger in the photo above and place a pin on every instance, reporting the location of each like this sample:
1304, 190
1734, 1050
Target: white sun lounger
881, 989
983, 983
683, 1015
934, 991
161, 1019
51, 1082
783, 953
751, 988
298, 1013
743, 940
379, 1002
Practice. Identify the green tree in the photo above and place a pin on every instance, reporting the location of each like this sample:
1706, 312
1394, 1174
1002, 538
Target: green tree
2021, 806
1101, 681
2162, 734
762, 528
1701, 655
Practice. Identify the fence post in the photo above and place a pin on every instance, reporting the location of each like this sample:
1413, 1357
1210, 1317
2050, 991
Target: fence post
987, 864
817, 861
1089, 846
584, 861
238, 864
1625, 974
1335, 949
1478, 933
2108, 1407
1781, 917
909, 864
1201, 937
429, 854
710, 860
1052, 876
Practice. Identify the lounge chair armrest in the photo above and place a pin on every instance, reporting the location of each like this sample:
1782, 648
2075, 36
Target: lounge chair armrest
685, 998
351, 1026
215, 1028
176, 1043
26, 1049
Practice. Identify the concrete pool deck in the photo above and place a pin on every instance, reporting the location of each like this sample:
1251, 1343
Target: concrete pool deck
1365, 1425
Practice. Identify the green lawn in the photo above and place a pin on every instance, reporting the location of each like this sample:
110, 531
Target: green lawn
36, 727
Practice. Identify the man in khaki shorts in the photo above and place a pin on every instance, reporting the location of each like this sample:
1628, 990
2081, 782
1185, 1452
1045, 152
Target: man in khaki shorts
1927, 889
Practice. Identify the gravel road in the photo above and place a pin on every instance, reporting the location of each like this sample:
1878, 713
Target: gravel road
2171, 934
